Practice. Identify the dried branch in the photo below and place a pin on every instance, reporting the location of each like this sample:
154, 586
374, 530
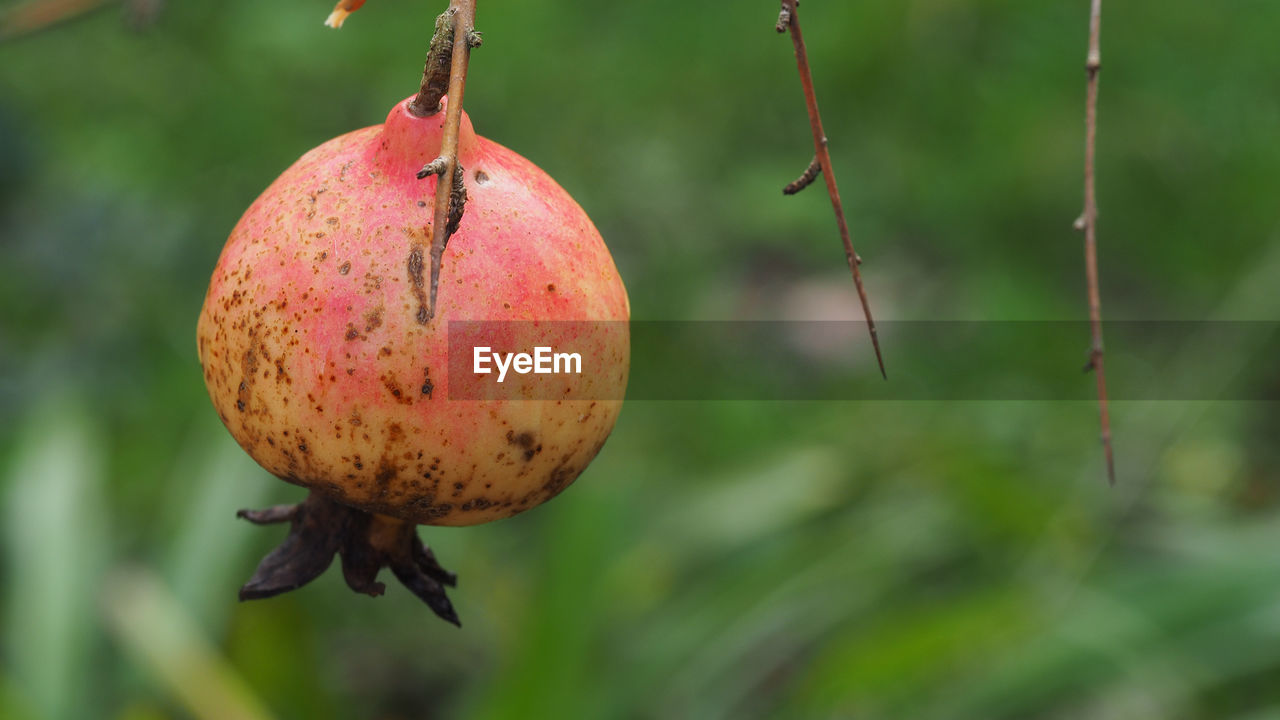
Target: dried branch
1088, 223
439, 67
788, 18
38, 15
458, 23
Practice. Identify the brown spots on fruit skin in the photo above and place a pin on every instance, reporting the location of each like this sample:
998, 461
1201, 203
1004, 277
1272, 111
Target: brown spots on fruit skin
393, 387
439, 511
477, 504
559, 478
281, 375
387, 472
526, 441
248, 371
416, 282
373, 319
344, 268
427, 386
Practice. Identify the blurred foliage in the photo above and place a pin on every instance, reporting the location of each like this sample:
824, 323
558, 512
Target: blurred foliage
729, 559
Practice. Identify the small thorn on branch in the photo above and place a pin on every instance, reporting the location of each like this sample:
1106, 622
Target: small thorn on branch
806, 178
1091, 364
435, 167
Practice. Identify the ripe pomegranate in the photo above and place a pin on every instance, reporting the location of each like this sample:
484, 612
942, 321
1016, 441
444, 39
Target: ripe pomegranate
322, 361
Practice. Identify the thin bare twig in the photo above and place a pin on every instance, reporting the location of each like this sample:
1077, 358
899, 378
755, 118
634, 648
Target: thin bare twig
788, 18
38, 15
446, 70
1088, 223
449, 192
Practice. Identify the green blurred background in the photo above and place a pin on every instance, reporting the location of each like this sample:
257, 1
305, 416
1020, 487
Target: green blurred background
718, 560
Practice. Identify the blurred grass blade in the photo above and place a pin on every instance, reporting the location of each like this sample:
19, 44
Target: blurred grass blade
55, 536
149, 622
203, 564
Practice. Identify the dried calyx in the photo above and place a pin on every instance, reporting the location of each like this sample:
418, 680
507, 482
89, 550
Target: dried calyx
321, 528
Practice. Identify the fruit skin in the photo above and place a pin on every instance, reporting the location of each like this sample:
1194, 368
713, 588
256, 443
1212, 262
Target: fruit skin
317, 363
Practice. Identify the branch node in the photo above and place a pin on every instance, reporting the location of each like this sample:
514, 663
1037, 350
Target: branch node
1094, 359
435, 167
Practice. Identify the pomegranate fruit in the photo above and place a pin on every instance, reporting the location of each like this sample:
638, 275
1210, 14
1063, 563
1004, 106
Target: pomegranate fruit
323, 362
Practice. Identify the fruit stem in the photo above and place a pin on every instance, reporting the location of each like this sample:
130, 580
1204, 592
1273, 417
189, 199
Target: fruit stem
438, 71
